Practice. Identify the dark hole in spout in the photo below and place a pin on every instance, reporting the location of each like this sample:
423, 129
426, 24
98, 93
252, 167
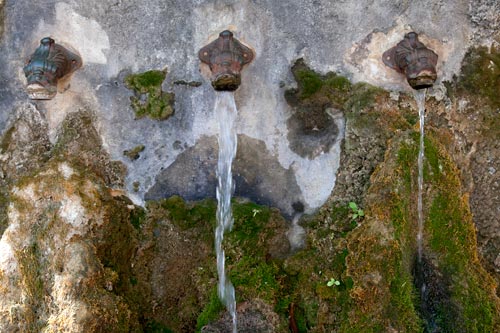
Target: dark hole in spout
421, 86
226, 82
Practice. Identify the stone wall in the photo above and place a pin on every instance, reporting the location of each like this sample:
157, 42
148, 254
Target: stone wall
321, 123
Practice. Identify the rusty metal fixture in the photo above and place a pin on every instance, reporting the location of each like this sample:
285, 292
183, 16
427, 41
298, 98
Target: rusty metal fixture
46, 66
414, 59
226, 56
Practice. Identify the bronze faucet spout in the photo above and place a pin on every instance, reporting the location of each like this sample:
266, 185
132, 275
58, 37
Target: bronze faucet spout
412, 58
49, 63
226, 57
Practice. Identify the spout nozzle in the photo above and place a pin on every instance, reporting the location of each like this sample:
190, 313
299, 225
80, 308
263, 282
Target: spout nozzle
226, 82
39, 92
421, 82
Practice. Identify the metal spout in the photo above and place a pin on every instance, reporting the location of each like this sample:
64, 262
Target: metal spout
49, 63
414, 59
226, 56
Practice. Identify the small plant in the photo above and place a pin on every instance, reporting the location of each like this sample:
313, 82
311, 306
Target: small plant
255, 211
356, 211
333, 282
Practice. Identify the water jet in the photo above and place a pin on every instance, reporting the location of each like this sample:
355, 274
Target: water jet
225, 56
49, 63
413, 59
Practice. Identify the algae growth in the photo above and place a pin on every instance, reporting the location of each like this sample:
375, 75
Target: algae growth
134, 153
149, 99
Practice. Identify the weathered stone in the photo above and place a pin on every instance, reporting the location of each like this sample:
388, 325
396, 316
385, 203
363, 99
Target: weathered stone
54, 263
185, 178
252, 317
63, 191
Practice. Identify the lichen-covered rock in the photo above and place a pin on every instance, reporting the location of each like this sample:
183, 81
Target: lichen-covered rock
61, 267
58, 276
382, 255
471, 115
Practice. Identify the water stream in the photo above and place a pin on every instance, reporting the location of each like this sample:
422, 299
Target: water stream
420, 99
225, 110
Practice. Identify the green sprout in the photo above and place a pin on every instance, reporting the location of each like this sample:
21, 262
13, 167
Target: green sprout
357, 212
333, 282
255, 211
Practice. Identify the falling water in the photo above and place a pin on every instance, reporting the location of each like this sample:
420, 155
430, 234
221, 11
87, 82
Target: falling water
226, 112
296, 234
420, 98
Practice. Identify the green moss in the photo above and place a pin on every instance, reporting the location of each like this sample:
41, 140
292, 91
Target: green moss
450, 234
362, 95
210, 312
253, 275
150, 100
337, 82
189, 215
137, 217
316, 90
316, 305
144, 81
481, 73
33, 286
249, 221
254, 278
156, 327
309, 82
134, 153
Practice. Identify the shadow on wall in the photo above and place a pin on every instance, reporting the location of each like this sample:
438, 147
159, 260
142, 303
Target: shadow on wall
271, 185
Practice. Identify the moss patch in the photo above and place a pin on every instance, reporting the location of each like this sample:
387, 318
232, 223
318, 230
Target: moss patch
314, 87
452, 239
149, 99
211, 311
251, 251
33, 288
481, 73
480, 77
134, 153
189, 215
315, 102
382, 251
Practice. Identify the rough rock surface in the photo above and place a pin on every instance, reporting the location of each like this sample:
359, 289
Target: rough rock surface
59, 268
76, 255
59, 283
108, 35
